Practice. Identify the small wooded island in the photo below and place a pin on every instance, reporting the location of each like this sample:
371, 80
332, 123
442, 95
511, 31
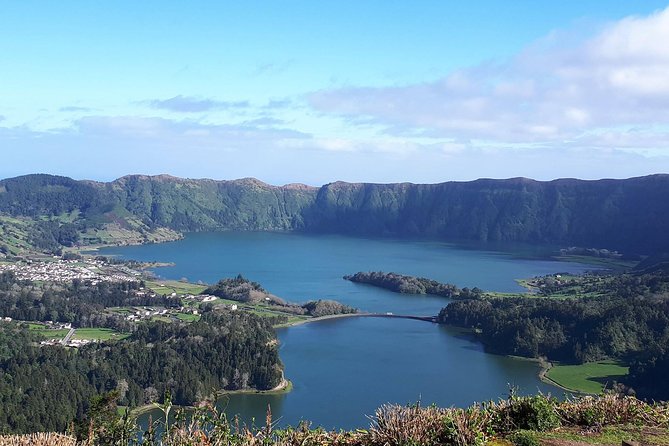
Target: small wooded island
400, 283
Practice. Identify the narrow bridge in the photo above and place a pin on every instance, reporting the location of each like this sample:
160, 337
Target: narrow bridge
432, 319
67, 337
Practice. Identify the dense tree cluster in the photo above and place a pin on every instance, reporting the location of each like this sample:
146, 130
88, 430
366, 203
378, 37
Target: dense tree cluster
573, 330
628, 320
648, 375
45, 388
323, 307
239, 289
50, 236
46, 195
413, 285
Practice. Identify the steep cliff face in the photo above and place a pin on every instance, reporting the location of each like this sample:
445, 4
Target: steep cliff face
625, 214
631, 215
194, 205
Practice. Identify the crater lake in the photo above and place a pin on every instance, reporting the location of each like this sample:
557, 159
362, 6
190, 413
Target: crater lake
343, 369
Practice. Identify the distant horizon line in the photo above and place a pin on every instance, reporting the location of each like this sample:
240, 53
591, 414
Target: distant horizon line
167, 176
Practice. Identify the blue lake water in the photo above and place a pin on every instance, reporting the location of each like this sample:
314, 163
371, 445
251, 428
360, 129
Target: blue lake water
342, 370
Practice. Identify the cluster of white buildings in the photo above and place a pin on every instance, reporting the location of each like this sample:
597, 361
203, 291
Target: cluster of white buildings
146, 313
199, 297
204, 298
58, 325
67, 271
74, 343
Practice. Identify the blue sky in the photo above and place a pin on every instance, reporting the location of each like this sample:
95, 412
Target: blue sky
304, 91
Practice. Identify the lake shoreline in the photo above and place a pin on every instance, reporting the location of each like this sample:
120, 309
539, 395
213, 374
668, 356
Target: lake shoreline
544, 364
543, 375
355, 357
285, 386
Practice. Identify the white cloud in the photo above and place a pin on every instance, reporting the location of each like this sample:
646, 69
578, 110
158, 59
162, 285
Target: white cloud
594, 108
105, 148
400, 146
189, 104
550, 94
170, 133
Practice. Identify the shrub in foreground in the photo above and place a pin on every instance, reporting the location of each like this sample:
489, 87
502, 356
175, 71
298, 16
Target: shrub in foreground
524, 438
537, 413
518, 419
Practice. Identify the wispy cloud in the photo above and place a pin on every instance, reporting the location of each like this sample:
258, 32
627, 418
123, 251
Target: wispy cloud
171, 133
126, 144
592, 108
272, 68
74, 108
190, 104
264, 121
275, 104
605, 91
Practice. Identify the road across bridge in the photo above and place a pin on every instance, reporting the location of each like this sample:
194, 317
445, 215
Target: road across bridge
432, 319
67, 337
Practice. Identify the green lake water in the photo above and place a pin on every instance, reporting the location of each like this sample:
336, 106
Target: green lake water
342, 370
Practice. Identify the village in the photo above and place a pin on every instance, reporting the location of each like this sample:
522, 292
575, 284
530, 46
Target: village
188, 311
95, 271
65, 335
183, 303
60, 270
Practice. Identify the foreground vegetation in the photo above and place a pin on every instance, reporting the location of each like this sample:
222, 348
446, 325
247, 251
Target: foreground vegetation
522, 421
143, 339
48, 387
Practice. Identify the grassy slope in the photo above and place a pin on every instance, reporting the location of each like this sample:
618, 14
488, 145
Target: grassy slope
257, 308
591, 377
50, 333
99, 334
173, 286
14, 234
188, 317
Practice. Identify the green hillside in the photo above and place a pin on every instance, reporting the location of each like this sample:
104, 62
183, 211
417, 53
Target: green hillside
628, 215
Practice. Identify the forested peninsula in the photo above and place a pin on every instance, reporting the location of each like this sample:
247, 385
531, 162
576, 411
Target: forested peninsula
627, 215
622, 317
243, 290
44, 385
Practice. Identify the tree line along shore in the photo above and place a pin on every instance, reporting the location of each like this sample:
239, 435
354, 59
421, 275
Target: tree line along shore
597, 330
